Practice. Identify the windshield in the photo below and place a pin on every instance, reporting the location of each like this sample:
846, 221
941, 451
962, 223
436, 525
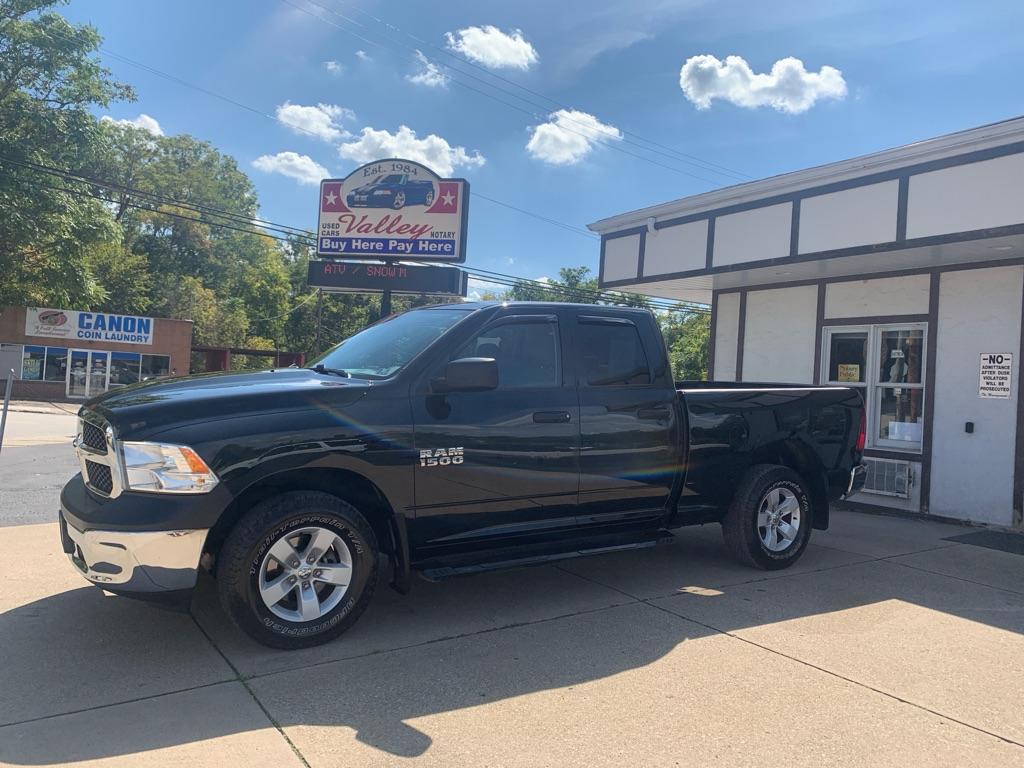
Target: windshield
392, 179
386, 347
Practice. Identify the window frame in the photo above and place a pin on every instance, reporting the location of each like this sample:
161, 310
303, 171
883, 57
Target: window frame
523, 318
610, 320
871, 387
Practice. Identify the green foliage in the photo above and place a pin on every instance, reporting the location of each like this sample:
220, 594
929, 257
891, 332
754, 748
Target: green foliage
49, 78
157, 246
687, 336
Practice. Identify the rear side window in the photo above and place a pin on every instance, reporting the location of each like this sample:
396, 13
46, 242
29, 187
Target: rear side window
611, 354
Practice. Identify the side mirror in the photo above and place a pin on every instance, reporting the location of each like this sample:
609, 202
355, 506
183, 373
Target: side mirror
470, 374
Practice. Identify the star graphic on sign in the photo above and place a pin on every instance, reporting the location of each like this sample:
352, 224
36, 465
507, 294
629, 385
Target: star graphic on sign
449, 198
331, 198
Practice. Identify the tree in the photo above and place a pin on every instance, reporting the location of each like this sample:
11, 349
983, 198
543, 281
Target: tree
49, 78
687, 335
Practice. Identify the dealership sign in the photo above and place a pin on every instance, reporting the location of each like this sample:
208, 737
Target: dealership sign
393, 209
88, 326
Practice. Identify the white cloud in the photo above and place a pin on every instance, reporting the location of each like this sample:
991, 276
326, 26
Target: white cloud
302, 168
429, 75
480, 288
569, 136
789, 87
493, 48
143, 121
363, 56
334, 67
322, 121
433, 151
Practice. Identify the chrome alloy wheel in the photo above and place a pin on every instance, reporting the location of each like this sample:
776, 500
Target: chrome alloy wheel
305, 574
399, 201
778, 519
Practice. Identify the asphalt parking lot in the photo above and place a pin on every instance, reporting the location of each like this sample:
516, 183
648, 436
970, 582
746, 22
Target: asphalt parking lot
887, 644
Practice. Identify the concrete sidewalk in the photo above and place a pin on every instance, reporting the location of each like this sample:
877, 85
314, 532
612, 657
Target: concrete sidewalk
885, 645
37, 406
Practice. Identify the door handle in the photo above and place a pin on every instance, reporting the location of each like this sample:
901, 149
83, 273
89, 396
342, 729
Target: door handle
552, 417
652, 413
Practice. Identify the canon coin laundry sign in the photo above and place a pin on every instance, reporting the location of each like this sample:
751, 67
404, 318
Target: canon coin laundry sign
88, 326
393, 209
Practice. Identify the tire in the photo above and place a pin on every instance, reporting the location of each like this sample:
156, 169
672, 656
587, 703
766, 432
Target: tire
747, 525
303, 520
428, 199
398, 202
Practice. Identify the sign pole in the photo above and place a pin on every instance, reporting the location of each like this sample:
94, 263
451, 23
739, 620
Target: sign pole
319, 318
7, 405
385, 296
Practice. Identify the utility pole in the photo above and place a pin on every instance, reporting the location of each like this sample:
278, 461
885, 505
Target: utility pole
319, 317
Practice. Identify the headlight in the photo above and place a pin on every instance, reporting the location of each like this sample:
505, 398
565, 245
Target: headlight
165, 469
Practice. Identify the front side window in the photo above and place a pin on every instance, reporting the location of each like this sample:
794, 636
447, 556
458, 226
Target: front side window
526, 353
886, 363
612, 354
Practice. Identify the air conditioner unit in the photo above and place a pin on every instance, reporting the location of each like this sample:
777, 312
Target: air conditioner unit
888, 477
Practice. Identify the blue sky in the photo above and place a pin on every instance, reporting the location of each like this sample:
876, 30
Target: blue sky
874, 75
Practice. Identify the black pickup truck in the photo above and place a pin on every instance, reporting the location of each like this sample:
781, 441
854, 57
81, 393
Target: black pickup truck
451, 439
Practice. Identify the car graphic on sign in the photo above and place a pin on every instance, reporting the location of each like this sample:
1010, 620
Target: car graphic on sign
396, 190
52, 317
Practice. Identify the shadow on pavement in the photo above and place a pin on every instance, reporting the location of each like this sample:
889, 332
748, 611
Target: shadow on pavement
151, 652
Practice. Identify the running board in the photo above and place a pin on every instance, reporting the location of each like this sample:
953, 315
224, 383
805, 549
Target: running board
440, 571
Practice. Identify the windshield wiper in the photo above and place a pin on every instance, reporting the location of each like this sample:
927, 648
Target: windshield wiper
321, 368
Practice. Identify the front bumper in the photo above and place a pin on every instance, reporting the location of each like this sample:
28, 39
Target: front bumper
857, 477
135, 562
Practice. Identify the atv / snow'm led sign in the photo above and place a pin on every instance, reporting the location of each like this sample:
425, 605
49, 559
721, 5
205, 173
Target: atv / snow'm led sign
352, 277
393, 209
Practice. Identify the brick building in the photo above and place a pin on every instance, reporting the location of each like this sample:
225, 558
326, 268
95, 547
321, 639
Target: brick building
61, 354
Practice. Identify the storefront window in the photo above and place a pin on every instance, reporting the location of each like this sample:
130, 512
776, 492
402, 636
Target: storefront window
56, 364
848, 357
154, 366
892, 359
32, 363
124, 368
900, 408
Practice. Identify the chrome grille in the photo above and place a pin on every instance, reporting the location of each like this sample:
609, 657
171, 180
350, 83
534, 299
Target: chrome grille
98, 455
99, 477
94, 436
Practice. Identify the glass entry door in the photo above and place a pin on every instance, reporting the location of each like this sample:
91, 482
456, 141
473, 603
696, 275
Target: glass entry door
88, 373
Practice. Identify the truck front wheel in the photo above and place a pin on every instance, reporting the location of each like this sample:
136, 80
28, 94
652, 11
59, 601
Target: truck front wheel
298, 569
768, 523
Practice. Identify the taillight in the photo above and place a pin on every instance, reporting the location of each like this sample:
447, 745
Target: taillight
863, 436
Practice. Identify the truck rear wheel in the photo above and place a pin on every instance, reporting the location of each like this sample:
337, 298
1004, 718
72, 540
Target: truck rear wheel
298, 569
768, 523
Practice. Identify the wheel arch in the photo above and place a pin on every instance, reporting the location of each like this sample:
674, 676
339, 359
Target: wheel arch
800, 458
359, 491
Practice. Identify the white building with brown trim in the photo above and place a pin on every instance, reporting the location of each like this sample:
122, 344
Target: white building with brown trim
900, 273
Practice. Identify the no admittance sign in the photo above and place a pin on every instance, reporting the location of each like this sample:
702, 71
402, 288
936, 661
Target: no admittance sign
996, 375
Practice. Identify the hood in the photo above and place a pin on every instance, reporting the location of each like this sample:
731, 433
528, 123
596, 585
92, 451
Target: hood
150, 407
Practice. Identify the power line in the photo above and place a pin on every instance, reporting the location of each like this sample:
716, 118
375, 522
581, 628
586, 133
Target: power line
307, 238
588, 136
674, 153
254, 110
659, 149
